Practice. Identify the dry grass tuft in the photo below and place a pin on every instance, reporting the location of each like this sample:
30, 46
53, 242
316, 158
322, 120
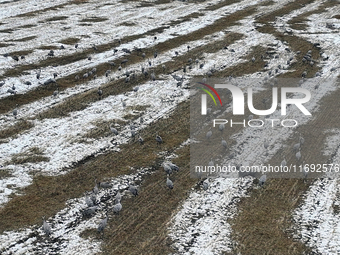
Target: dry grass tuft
70, 41
94, 19
2, 45
127, 24
56, 18
48, 47
5, 173
33, 155
21, 52
16, 129
25, 39
7, 31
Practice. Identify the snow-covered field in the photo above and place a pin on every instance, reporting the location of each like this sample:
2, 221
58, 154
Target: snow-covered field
201, 224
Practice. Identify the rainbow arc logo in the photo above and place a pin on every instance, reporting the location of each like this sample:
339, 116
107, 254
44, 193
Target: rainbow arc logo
208, 92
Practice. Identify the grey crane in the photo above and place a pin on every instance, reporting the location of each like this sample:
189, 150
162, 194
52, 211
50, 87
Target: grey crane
107, 73
167, 168
102, 225
209, 134
169, 183
266, 144
124, 61
284, 162
123, 103
15, 112
205, 185
46, 227
118, 198
141, 120
141, 140
90, 210
93, 197
113, 129
13, 92
105, 185
304, 171
55, 93
224, 143
298, 155
159, 139
88, 201
253, 59
133, 189
302, 140
153, 76
262, 180
117, 208
100, 92
296, 146
174, 167
143, 55
95, 189
112, 64
133, 134
155, 54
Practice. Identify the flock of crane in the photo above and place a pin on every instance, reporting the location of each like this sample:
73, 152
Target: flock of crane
91, 200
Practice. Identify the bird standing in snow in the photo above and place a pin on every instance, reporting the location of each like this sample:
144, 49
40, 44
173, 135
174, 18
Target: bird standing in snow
102, 225
46, 227
169, 183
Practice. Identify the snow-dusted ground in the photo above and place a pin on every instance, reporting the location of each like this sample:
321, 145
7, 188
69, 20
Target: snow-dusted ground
201, 226
203, 218
317, 220
67, 225
250, 151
